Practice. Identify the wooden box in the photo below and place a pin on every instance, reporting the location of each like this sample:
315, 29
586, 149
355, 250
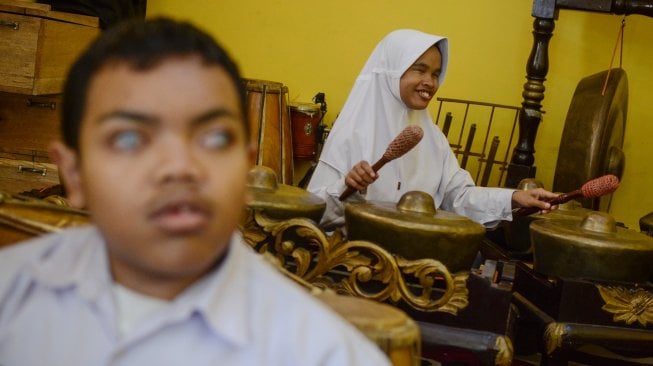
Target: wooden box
39, 45
27, 125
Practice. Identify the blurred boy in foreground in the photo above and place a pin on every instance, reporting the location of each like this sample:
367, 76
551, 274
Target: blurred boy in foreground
155, 146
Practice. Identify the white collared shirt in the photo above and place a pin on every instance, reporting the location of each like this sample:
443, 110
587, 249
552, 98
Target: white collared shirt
57, 307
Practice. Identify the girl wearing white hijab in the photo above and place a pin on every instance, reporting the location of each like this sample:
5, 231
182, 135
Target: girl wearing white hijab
392, 91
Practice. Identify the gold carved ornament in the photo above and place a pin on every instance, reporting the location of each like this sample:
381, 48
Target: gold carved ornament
504, 349
38, 216
371, 272
628, 305
553, 336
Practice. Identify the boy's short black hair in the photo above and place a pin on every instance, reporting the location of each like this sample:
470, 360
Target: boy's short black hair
143, 44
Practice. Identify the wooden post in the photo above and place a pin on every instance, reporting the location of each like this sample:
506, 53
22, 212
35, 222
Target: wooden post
523, 159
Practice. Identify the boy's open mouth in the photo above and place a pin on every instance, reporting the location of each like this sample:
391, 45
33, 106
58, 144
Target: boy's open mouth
181, 216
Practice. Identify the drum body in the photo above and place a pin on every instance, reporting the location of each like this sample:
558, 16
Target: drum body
305, 118
269, 121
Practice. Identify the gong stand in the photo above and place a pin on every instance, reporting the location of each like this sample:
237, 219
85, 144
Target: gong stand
522, 164
559, 315
456, 312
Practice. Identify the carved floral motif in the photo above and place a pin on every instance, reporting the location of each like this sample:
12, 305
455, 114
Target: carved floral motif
628, 305
358, 268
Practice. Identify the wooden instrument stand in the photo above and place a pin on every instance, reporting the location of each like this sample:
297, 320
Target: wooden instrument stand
545, 12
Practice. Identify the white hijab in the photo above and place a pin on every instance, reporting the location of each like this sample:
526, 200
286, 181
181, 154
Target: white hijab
374, 115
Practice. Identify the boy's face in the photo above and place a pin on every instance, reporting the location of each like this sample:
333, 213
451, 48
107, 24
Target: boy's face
162, 169
419, 83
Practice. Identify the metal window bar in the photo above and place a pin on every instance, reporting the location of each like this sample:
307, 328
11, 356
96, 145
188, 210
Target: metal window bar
487, 161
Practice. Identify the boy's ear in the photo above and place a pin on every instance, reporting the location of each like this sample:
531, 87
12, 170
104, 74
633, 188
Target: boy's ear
67, 161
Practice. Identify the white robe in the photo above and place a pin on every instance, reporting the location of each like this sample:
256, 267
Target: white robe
373, 116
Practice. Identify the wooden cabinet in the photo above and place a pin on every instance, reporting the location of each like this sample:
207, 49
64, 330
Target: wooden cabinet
38, 46
28, 124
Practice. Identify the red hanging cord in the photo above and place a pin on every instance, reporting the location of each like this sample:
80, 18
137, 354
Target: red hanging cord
620, 43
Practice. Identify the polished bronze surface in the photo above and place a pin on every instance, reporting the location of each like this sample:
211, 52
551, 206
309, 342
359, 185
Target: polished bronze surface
646, 224
518, 237
281, 201
390, 328
592, 140
414, 229
594, 248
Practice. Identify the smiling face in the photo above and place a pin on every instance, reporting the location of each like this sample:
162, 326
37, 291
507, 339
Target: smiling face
162, 168
419, 82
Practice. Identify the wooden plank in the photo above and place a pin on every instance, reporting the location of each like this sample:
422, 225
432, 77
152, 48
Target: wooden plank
80, 19
45, 11
23, 7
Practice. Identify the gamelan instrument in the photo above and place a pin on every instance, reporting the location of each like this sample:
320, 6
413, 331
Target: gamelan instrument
269, 122
390, 328
592, 139
595, 248
646, 224
403, 143
281, 201
414, 229
305, 118
517, 234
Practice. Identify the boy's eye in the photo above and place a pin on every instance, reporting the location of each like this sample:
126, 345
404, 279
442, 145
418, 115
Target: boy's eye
128, 140
216, 139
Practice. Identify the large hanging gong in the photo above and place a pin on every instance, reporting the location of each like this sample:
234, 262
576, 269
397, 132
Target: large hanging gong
592, 139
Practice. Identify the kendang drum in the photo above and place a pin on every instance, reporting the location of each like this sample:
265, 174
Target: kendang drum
390, 328
269, 121
305, 118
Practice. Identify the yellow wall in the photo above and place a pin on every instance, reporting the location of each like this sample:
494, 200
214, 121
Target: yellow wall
321, 46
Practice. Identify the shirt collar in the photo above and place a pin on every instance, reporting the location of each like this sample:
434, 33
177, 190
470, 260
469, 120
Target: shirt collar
223, 298
73, 260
